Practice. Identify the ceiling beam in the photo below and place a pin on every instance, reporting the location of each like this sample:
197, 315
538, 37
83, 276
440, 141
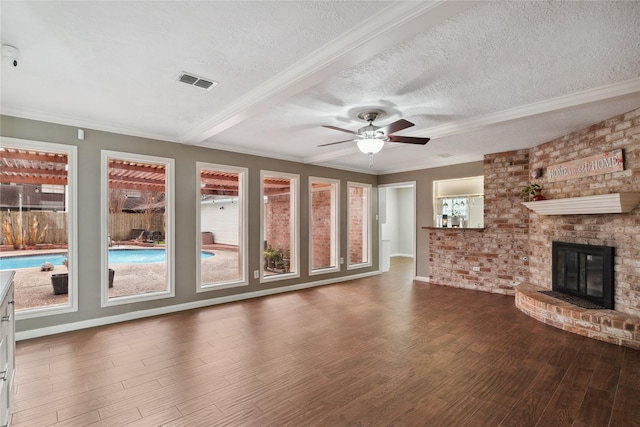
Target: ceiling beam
379, 32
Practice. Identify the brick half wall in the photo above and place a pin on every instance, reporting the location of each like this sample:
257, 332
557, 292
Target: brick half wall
498, 250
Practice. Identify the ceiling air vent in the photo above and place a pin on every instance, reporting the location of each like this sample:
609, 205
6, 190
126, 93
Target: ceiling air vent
193, 80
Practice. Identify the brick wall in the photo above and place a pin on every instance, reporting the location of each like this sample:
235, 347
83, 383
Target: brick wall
512, 231
321, 228
357, 252
499, 248
277, 212
621, 231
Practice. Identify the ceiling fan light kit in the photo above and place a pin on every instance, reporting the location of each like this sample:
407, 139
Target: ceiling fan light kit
370, 146
370, 139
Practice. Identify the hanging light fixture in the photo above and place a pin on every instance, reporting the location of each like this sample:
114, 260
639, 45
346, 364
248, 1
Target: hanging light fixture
370, 146
370, 139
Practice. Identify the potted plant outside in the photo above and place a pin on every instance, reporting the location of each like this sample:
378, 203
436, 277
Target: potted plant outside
272, 257
60, 282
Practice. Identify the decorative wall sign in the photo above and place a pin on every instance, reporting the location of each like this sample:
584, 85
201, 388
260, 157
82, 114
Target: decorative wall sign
607, 162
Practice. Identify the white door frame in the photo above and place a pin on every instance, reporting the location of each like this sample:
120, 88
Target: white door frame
407, 184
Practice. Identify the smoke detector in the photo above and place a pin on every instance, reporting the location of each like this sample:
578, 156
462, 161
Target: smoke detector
10, 54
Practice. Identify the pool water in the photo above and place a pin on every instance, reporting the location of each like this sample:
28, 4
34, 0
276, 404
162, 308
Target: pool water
116, 256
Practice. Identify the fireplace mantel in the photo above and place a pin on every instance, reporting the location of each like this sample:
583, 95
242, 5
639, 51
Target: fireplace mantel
600, 204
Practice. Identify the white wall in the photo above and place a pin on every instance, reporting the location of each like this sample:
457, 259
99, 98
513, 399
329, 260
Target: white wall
389, 229
459, 186
405, 214
220, 218
398, 226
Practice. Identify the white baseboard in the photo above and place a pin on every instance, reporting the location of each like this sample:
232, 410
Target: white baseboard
421, 279
67, 327
402, 255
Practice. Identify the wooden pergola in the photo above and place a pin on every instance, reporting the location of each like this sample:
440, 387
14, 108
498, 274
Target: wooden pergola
19, 166
30, 167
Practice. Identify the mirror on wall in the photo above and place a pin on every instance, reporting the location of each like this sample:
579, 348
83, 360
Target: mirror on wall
459, 203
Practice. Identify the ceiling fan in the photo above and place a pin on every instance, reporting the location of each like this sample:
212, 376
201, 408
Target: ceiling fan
370, 139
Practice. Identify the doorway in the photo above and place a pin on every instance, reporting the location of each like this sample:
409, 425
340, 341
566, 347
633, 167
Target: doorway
397, 209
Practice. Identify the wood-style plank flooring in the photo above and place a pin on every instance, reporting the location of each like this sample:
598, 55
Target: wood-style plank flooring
377, 351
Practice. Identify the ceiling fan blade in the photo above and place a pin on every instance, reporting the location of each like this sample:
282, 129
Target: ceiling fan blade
409, 140
334, 143
396, 126
340, 129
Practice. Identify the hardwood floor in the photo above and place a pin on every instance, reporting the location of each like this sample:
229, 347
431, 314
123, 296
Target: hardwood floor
376, 351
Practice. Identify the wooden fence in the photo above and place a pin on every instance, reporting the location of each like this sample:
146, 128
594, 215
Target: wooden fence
38, 227
120, 226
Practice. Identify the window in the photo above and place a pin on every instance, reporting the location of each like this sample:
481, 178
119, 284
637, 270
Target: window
137, 228
323, 225
459, 202
279, 225
39, 227
221, 226
359, 225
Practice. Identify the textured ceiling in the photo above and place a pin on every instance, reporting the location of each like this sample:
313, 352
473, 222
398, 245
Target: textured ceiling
476, 77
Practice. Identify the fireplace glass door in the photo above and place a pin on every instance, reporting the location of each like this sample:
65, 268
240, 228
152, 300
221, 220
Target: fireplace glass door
584, 271
594, 280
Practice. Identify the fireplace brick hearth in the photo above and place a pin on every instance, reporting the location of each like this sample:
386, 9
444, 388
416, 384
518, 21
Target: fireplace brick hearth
604, 325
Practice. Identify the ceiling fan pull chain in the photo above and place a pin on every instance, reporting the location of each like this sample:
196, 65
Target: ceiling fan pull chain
370, 160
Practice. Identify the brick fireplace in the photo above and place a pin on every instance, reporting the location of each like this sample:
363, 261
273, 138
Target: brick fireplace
514, 252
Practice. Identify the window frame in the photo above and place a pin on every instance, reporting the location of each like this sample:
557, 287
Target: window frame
72, 224
335, 223
243, 238
295, 227
369, 227
169, 164
470, 188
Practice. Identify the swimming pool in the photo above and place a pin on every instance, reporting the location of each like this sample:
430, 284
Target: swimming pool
116, 256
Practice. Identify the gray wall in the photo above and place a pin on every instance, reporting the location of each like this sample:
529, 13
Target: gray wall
186, 181
424, 201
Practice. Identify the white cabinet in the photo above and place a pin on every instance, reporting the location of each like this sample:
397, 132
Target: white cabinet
7, 346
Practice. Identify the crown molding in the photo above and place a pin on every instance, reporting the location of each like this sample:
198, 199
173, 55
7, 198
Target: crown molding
599, 94
79, 123
249, 152
603, 93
